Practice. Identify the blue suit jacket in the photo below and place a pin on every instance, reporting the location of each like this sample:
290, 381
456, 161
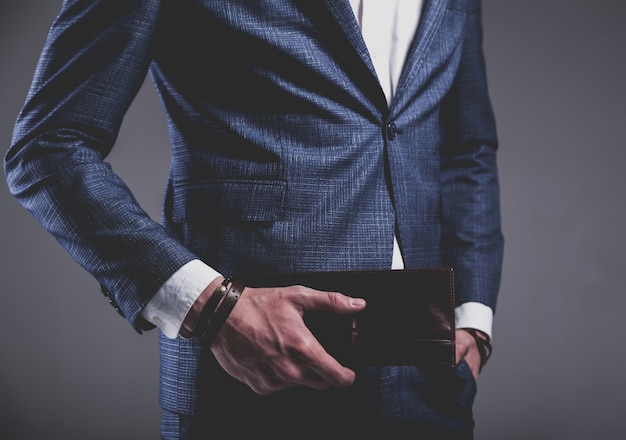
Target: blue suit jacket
285, 155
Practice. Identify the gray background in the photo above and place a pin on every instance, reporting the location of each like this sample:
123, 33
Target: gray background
71, 368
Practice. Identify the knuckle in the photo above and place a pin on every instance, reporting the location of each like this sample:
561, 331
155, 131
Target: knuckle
300, 348
291, 374
267, 386
334, 298
264, 391
260, 388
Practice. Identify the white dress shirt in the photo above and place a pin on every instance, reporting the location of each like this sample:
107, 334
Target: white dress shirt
388, 28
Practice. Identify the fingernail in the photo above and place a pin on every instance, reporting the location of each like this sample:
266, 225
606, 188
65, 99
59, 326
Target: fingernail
357, 302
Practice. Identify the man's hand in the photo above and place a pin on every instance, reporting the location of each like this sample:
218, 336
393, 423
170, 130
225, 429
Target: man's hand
466, 349
266, 345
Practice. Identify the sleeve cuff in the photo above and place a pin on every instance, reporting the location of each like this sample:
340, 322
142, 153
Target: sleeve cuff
475, 315
169, 306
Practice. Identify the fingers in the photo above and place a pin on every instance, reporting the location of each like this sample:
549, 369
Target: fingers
317, 377
322, 370
308, 365
466, 349
323, 365
461, 346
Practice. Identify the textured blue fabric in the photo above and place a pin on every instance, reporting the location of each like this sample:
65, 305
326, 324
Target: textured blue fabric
285, 155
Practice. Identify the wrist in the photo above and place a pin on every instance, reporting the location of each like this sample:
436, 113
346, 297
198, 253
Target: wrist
217, 310
191, 319
483, 344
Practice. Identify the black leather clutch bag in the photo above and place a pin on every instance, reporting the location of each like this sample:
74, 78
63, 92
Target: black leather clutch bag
408, 320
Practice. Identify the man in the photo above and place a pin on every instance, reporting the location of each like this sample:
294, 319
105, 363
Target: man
306, 136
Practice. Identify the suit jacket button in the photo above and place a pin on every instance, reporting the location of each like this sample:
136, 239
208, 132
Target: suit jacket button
392, 131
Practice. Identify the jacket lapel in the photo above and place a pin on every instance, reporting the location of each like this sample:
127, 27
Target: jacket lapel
428, 26
343, 13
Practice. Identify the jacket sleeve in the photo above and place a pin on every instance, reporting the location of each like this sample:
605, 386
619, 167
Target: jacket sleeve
471, 235
93, 63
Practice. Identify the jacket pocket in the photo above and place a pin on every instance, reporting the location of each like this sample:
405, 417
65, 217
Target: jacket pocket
228, 201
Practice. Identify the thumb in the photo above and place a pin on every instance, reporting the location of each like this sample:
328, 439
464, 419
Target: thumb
335, 302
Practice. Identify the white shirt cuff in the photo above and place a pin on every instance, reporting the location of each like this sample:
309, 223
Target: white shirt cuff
169, 306
475, 315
